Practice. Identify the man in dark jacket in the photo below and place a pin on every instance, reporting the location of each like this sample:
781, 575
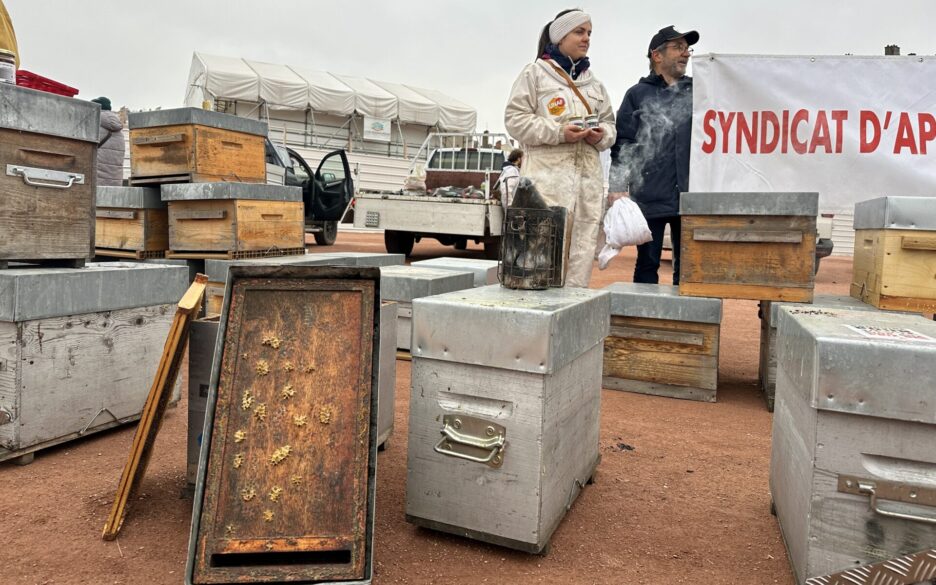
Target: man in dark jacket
650, 159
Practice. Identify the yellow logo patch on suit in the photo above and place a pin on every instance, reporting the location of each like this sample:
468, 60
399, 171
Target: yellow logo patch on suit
556, 106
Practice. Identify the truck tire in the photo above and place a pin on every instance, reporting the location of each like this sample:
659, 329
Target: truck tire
399, 242
461, 243
492, 248
328, 235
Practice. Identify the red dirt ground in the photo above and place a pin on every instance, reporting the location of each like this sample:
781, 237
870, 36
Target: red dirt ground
688, 504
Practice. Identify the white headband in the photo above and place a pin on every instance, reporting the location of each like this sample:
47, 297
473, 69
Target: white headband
566, 24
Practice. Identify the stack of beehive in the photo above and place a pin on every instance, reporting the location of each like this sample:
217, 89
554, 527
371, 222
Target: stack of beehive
198, 190
80, 338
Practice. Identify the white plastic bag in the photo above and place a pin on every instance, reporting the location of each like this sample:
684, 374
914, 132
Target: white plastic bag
416, 180
624, 225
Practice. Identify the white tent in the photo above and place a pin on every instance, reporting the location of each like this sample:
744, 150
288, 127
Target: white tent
453, 114
369, 98
411, 106
326, 93
220, 76
283, 87
280, 87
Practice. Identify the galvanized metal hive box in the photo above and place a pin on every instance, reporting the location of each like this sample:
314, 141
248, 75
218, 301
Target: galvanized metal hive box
131, 222
286, 480
403, 284
386, 372
504, 410
662, 343
854, 430
203, 334
759, 246
48, 156
767, 369
233, 220
217, 270
485, 271
895, 253
195, 145
79, 348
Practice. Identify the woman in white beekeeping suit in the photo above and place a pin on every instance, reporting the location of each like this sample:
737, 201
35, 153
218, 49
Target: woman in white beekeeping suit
551, 101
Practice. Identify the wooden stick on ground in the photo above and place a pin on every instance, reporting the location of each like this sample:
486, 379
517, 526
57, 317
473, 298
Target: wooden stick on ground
155, 406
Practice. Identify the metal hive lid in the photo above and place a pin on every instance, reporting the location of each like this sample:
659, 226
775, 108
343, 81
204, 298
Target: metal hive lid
838, 361
528, 331
405, 283
41, 293
764, 203
182, 116
658, 301
29, 110
255, 191
129, 197
898, 213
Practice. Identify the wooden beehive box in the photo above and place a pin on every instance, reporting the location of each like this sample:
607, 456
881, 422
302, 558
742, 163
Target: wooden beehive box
79, 348
854, 430
286, 480
895, 253
403, 284
196, 146
662, 343
132, 222
758, 246
234, 220
503, 436
48, 153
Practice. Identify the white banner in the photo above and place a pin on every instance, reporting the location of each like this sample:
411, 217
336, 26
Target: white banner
376, 129
851, 128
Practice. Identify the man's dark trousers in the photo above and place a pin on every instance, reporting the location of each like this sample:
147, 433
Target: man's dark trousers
648, 255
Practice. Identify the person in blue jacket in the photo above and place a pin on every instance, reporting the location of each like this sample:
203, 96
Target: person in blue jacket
650, 158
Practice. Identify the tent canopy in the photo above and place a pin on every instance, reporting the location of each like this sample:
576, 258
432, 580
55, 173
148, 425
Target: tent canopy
285, 87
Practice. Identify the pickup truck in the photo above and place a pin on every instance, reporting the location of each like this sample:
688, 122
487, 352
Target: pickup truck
454, 207
327, 192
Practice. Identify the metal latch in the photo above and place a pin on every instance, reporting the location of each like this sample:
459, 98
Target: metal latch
372, 219
877, 489
40, 177
474, 439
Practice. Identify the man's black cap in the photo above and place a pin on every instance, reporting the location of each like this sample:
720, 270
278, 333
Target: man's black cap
671, 34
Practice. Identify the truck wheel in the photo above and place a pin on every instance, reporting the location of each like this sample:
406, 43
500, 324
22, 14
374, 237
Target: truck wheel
461, 243
328, 235
399, 242
492, 248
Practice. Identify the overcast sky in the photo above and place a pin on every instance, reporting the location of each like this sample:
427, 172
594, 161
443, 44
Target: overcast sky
138, 53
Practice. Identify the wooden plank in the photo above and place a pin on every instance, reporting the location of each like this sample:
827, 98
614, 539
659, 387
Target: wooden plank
709, 333
746, 260
81, 372
918, 243
201, 153
657, 335
655, 389
729, 291
662, 367
44, 222
214, 298
155, 406
147, 230
9, 383
751, 236
235, 225
293, 405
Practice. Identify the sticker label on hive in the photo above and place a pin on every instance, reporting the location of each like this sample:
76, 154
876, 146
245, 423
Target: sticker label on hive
890, 333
